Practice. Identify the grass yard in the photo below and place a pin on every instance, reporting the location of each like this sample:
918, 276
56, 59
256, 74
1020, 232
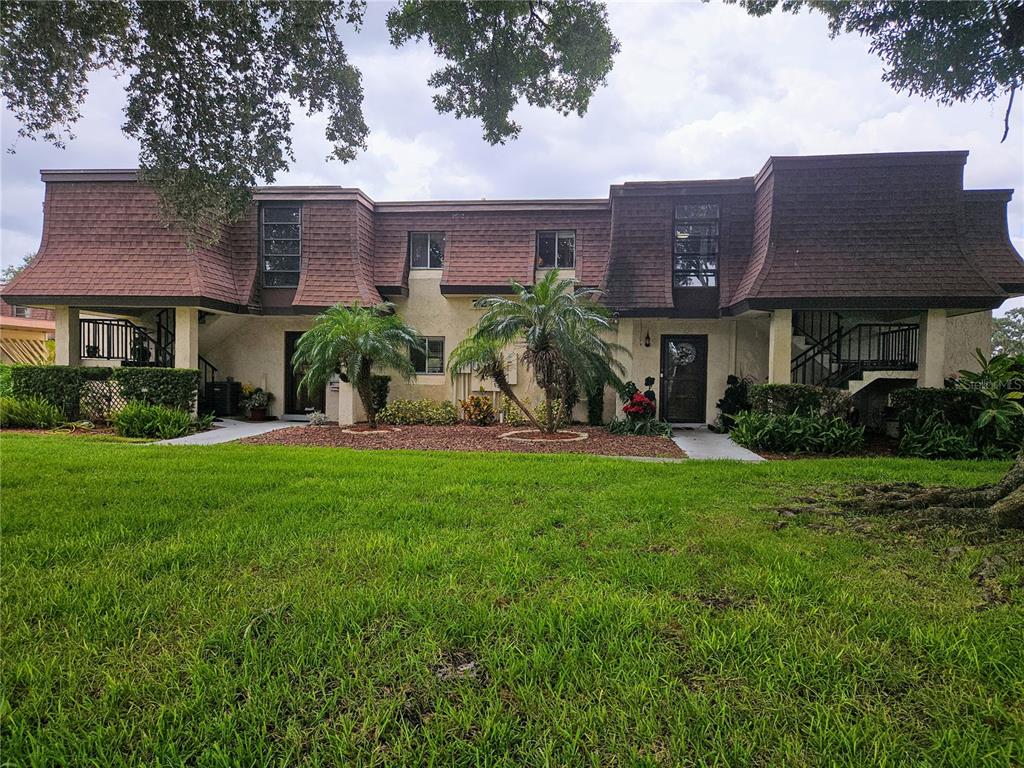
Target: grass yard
274, 606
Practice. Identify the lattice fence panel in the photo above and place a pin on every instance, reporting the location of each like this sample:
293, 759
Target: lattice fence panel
100, 400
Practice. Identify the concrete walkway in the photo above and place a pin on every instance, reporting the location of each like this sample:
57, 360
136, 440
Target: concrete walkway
227, 430
701, 443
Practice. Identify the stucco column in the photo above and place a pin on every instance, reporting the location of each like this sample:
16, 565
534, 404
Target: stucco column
931, 357
186, 337
67, 336
780, 347
346, 404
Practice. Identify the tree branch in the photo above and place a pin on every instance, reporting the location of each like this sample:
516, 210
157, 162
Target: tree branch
1006, 117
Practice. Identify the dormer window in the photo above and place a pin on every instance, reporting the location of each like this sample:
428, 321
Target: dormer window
281, 245
695, 246
426, 250
556, 249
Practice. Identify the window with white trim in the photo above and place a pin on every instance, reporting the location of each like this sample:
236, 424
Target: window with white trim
695, 245
281, 245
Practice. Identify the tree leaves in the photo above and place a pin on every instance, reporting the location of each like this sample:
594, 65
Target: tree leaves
211, 85
553, 54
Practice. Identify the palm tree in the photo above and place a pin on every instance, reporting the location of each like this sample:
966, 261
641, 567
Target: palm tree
561, 326
487, 358
356, 339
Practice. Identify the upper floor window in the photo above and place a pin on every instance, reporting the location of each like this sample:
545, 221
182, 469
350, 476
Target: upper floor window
280, 242
429, 358
21, 311
695, 246
556, 249
426, 250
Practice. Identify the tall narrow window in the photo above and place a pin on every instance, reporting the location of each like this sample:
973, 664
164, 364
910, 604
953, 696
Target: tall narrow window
281, 245
426, 250
556, 249
429, 357
695, 246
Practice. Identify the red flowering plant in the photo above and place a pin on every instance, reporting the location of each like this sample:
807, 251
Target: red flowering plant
639, 407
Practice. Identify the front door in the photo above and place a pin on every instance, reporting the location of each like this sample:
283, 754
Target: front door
684, 375
294, 401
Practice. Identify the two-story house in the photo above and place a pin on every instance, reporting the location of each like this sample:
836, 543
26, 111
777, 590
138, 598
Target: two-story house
864, 272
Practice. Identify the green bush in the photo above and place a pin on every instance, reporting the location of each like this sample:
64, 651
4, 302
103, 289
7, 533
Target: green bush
59, 385
144, 420
5, 381
595, 406
936, 438
644, 427
169, 387
29, 412
380, 386
797, 433
512, 416
788, 399
736, 399
915, 406
433, 412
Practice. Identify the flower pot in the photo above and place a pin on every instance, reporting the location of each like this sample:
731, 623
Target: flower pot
257, 414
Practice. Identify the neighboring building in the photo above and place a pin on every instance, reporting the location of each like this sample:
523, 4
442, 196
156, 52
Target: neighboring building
25, 333
859, 271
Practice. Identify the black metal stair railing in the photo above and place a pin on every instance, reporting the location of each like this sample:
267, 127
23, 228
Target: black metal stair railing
110, 339
846, 354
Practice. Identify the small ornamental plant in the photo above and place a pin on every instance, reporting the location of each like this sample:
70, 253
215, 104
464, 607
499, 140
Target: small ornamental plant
478, 409
639, 407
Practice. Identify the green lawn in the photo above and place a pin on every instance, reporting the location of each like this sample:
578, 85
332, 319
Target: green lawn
242, 605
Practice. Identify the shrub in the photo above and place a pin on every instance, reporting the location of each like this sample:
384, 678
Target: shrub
511, 415
595, 406
644, 427
5, 381
735, 400
29, 412
788, 399
59, 385
380, 386
935, 438
478, 409
138, 419
797, 433
914, 406
317, 419
169, 387
433, 412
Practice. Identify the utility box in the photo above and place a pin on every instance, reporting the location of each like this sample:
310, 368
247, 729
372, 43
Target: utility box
224, 396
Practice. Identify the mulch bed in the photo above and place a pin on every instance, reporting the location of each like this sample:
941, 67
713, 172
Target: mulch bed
463, 437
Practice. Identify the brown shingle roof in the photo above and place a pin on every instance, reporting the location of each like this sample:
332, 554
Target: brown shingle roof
988, 239
863, 229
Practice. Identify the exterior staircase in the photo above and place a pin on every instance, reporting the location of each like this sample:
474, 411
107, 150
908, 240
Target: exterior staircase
830, 354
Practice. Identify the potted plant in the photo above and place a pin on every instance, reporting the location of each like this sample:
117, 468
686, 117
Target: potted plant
140, 351
255, 401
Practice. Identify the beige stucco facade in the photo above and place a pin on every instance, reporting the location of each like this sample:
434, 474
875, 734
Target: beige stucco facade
251, 348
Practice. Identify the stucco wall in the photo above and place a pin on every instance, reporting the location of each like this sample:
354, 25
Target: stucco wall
965, 334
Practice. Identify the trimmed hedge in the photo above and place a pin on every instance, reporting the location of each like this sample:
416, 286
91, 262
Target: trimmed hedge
916, 405
5, 381
434, 412
789, 399
58, 385
169, 387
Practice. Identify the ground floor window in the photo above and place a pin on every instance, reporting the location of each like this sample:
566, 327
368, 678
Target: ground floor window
429, 358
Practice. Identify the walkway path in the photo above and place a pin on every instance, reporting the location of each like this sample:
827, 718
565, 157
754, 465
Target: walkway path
701, 443
226, 430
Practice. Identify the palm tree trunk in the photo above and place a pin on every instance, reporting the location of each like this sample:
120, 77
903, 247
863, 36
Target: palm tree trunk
549, 414
503, 386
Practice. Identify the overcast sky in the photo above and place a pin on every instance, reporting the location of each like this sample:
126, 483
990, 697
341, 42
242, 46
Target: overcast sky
698, 91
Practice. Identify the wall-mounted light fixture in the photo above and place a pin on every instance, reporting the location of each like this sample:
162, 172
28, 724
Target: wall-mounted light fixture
647, 339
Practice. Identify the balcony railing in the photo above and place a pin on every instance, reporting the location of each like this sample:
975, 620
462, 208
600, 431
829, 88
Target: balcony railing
110, 339
846, 353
